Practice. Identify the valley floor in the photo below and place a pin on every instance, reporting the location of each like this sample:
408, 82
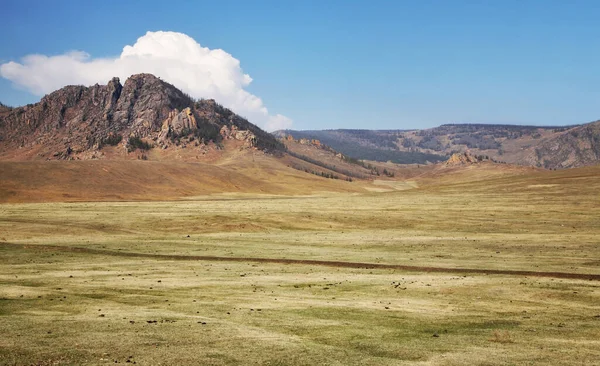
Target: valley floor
98, 282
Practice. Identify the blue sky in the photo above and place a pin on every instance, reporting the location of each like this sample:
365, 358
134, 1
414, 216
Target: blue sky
354, 64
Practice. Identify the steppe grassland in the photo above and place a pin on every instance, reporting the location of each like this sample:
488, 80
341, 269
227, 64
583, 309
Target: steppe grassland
76, 308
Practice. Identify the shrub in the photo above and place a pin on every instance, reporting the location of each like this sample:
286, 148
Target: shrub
111, 140
137, 143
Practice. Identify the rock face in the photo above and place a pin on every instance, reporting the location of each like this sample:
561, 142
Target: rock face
233, 133
177, 124
78, 121
462, 159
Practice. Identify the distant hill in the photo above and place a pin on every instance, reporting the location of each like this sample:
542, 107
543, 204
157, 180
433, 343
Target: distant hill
314, 157
79, 122
375, 145
541, 146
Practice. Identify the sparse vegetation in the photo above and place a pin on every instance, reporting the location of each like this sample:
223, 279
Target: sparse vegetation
111, 139
135, 143
324, 165
388, 173
430, 142
408, 142
476, 141
367, 145
323, 174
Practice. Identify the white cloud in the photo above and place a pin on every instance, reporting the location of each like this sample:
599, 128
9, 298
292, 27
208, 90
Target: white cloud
174, 57
278, 122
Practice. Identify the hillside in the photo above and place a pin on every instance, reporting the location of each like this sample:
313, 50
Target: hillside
375, 145
78, 122
232, 172
314, 157
548, 147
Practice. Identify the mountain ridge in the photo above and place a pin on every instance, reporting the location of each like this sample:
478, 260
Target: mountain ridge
551, 147
78, 122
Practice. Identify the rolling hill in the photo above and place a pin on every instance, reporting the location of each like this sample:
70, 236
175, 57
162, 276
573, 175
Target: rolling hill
234, 172
547, 147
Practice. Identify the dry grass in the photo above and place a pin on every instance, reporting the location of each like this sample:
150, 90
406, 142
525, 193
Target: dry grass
109, 180
61, 307
501, 337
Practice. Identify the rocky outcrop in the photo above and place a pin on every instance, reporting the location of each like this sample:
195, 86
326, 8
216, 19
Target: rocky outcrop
313, 142
233, 133
77, 121
462, 159
178, 124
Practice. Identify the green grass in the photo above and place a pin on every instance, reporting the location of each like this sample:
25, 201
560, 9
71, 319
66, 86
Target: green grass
63, 307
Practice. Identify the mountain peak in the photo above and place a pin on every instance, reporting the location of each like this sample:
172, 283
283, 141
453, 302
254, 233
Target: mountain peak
78, 121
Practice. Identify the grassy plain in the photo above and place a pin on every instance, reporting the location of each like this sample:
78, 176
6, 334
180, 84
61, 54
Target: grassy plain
77, 307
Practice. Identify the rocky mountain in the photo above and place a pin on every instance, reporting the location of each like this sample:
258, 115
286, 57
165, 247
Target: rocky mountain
548, 147
78, 122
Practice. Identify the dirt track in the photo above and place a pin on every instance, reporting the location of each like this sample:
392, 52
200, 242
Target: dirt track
579, 276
